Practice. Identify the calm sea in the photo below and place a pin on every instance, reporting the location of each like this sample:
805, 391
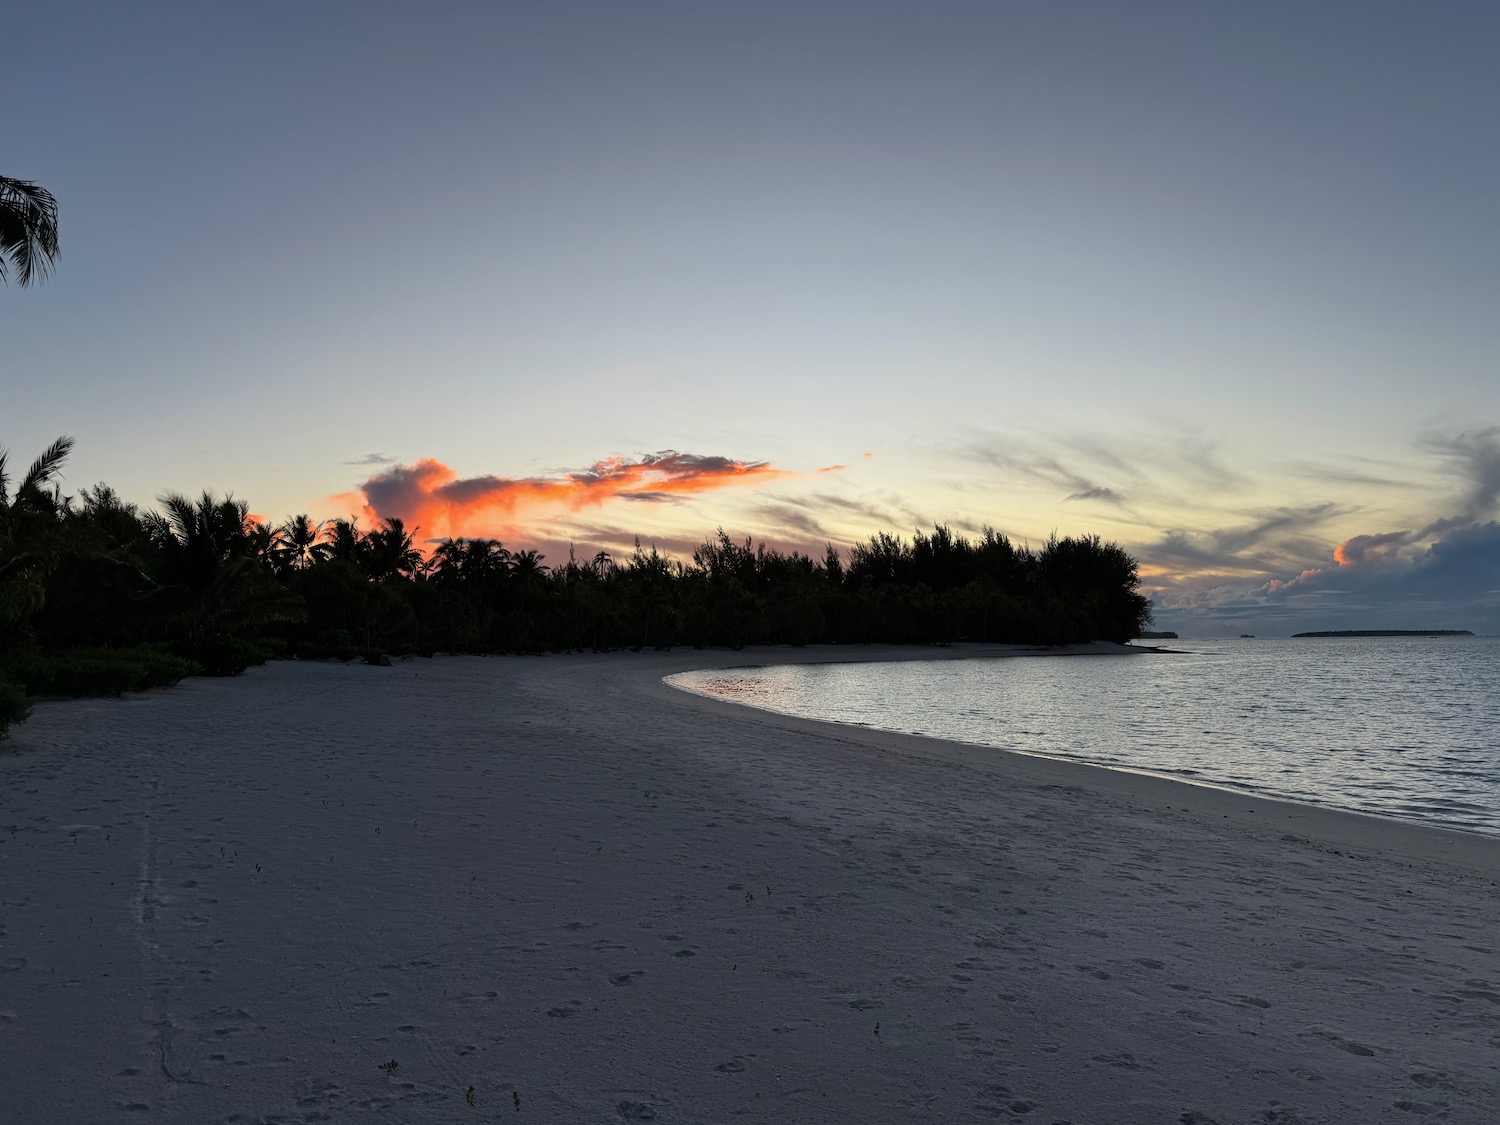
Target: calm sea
1402, 727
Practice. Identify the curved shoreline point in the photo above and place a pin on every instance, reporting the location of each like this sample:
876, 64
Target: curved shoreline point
1292, 822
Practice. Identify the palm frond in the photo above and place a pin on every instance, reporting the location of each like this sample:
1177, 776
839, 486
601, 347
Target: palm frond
28, 229
178, 519
46, 466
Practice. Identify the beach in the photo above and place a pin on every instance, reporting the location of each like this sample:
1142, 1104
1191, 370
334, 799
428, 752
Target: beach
555, 889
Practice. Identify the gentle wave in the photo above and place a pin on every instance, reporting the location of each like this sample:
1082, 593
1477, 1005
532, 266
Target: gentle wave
1401, 727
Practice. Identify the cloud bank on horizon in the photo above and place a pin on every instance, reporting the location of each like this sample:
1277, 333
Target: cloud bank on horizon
1307, 564
1443, 574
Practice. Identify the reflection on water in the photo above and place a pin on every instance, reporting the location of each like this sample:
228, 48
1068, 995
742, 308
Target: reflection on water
1402, 727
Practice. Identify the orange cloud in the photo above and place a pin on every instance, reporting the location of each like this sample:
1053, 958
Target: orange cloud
429, 495
1370, 548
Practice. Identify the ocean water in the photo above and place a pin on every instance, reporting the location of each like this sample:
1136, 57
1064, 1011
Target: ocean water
1396, 726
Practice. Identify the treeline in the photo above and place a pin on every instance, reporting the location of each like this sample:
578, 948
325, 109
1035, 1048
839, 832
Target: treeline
100, 596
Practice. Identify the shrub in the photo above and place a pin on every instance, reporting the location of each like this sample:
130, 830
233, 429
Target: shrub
96, 671
14, 706
314, 650
228, 656
163, 668
92, 672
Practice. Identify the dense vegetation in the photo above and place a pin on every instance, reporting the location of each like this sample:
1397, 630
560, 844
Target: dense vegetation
98, 596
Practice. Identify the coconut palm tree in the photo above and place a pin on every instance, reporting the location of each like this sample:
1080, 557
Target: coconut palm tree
390, 550
299, 543
346, 542
211, 583
30, 531
28, 230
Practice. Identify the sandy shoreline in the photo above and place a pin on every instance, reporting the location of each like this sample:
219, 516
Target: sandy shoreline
561, 880
1318, 825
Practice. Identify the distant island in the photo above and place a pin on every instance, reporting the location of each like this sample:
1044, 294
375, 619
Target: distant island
1158, 635
1388, 633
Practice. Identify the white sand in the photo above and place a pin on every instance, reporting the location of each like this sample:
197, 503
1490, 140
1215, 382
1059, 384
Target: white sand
561, 879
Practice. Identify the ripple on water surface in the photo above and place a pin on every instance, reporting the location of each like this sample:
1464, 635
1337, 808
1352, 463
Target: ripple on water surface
1397, 726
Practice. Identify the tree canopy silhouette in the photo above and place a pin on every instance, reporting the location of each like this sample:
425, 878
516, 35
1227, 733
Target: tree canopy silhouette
98, 595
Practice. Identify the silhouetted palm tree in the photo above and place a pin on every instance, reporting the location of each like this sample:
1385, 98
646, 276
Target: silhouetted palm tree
28, 230
346, 542
30, 531
485, 560
299, 543
208, 550
527, 566
30, 491
390, 550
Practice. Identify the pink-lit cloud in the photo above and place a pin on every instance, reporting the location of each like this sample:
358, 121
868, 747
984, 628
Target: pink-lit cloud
429, 495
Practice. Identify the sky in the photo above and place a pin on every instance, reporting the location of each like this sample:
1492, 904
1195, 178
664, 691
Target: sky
1214, 282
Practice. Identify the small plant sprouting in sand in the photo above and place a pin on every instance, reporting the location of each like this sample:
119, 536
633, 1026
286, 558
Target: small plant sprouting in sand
257, 869
390, 1067
877, 1027
749, 898
469, 1095
516, 1097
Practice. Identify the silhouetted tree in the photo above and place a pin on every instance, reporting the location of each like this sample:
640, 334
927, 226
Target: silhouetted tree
299, 543
30, 532
390, 551
211, 582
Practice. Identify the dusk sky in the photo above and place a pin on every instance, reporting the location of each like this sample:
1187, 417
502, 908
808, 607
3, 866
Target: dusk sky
1217, 282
